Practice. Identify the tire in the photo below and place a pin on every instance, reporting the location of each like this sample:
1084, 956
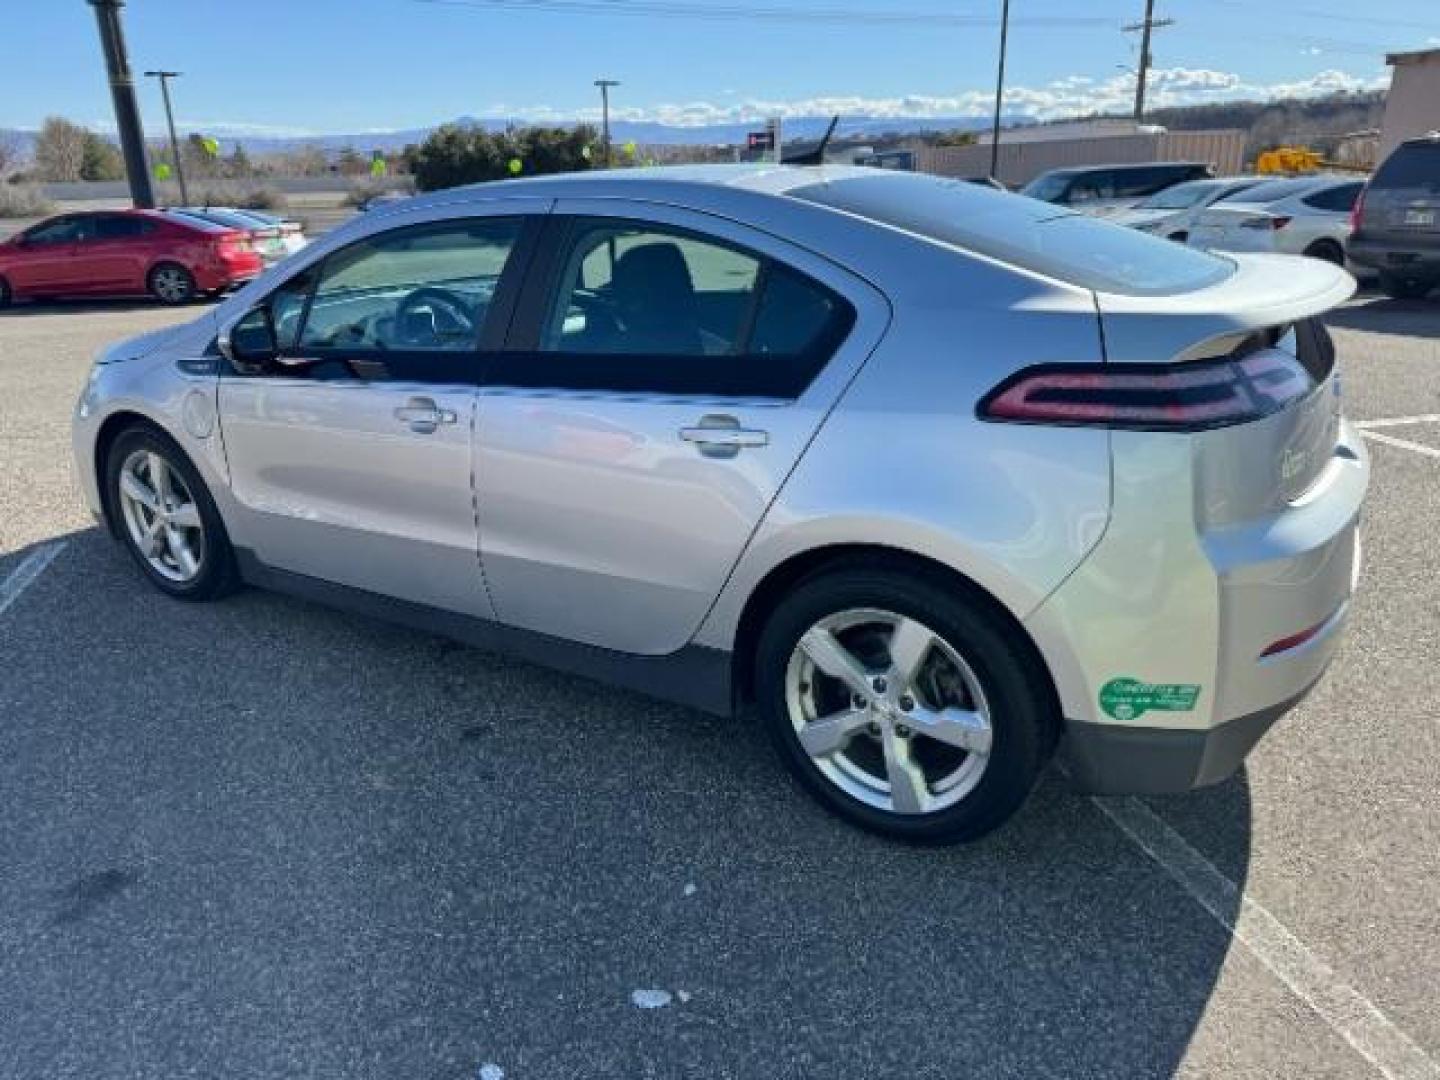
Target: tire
171, 283
1328, 250
190, 516
1405, 288
1179, 237
962, 791
6, 296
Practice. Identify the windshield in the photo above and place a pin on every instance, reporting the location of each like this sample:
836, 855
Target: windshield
1181, 196
1048, 186
1068, 247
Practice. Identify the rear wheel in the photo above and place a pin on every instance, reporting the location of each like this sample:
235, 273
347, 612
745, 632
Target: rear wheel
171, 283
1328, 250
1405, 288
1180, 237
166, 517
901, 706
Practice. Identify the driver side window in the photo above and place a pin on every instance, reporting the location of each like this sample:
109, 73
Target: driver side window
424, 289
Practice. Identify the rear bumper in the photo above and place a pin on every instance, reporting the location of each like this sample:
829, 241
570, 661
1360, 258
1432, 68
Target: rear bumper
1396, 256
1108, 759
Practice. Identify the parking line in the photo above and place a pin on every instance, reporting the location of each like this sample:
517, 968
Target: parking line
30, 568
1404, 444
1397, 421
1348, 1012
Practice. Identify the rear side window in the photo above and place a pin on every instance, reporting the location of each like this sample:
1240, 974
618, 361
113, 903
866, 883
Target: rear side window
645, 308
122, 228
1340, 200
1414, 165
1030, 235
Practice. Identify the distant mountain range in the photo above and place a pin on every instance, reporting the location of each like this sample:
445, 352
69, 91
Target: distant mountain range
622, 131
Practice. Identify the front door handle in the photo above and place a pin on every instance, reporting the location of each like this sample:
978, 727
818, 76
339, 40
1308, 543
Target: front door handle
722, 436
423, 415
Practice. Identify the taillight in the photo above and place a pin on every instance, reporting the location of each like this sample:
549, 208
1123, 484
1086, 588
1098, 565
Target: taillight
1269, 223
233, 244
1358, 209
1151, 397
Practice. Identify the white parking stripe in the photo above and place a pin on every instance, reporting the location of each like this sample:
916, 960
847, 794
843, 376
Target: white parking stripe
1352, 1016
1404, 444
1396, 421
30, 568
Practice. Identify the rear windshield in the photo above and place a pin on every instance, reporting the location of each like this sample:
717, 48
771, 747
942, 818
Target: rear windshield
1273, 190
1023, 232
1181, 196
194, 222
1414, 166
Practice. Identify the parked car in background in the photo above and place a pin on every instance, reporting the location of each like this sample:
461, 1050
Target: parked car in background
267, 238
935, 477
1102, 190
1397, 220
126, 253
1171, 213
292, 232
1307, 215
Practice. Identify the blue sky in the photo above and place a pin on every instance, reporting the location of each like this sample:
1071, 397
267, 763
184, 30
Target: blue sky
334, 66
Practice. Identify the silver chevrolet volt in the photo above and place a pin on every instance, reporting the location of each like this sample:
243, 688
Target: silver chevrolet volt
934, 478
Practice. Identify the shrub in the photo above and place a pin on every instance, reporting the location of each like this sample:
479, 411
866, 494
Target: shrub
360, 192
466, 153
241, 195
24, 200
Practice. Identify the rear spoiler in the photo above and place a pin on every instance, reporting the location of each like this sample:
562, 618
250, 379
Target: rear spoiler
1265, 291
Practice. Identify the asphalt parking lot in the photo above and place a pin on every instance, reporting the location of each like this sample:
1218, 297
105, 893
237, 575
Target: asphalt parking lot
262, 839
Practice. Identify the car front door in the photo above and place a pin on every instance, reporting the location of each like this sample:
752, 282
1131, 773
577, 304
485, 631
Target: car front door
350, 453
47, 263
667, 370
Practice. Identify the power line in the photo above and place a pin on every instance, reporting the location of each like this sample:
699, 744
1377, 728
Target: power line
766, 12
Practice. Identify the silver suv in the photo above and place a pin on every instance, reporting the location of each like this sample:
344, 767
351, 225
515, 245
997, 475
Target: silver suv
932, 476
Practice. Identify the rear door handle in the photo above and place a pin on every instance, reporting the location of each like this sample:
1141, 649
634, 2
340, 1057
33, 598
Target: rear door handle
722, 436
423, 415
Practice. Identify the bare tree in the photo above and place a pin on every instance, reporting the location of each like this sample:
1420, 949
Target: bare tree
60, 150
9, 152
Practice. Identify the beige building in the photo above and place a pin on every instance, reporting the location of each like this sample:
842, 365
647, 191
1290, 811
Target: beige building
1413, 107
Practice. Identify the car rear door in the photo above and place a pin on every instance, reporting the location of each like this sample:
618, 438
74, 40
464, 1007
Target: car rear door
351, 456
116, 252
666, 372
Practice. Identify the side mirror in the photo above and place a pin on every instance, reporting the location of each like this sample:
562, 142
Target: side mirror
250, 342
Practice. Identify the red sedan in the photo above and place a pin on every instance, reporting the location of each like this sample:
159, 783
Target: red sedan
125, 253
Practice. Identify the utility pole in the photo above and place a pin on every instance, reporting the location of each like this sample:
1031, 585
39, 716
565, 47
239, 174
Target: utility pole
122, 90
165, 77
999, 90
605, 85
1146, 27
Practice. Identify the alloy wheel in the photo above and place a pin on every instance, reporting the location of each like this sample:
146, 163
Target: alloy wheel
888, 711
161, 516
171, 284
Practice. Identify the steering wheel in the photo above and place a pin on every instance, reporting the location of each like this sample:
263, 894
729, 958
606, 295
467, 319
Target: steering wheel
451, 317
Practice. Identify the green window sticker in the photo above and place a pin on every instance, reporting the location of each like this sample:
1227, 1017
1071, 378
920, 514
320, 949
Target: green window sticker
1130, 699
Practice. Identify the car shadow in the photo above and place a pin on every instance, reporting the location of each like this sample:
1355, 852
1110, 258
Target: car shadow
1378, 314
333, 839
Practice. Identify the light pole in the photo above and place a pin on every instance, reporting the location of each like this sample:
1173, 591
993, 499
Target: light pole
165, 77
605, 85
122, 91
999, 91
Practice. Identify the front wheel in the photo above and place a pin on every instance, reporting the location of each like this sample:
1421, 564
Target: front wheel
166, 517
5, 294
904, 706
171, 283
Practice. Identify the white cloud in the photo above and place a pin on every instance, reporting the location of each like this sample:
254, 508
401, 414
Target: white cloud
1069, 96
